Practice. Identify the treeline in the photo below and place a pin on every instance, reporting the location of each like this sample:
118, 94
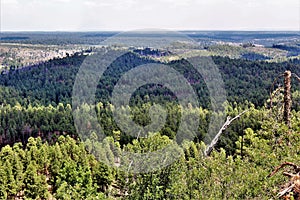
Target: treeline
293, 50
255, 56
18, 123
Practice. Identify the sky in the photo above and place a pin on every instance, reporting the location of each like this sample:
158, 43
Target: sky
127, 15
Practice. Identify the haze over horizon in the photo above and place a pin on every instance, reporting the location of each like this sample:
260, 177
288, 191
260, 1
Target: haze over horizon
114, 15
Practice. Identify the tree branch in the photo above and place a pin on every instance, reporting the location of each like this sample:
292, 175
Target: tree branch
297, 169
224, 127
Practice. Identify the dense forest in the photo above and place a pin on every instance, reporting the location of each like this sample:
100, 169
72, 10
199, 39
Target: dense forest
52, 82
42, 156
64, 170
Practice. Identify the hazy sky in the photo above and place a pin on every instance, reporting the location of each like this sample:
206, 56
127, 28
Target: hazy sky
98, 15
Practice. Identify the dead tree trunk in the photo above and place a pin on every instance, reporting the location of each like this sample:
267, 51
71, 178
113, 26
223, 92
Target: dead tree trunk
210, 147
287, 98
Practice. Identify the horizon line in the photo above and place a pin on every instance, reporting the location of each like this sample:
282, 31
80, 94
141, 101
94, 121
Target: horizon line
179, 30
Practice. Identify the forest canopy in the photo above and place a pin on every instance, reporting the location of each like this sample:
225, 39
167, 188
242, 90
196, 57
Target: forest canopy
43, 157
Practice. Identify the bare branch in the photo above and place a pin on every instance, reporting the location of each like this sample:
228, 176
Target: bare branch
297, 77
282, 166
286, 190
288, 174
224, 127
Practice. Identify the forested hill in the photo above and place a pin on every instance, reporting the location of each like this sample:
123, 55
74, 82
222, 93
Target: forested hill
52, 82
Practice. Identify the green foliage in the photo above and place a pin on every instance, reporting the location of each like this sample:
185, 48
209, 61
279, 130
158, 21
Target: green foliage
46, 160
63, 170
